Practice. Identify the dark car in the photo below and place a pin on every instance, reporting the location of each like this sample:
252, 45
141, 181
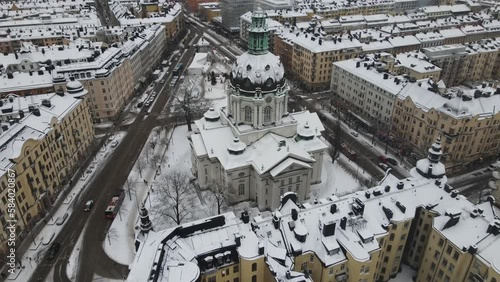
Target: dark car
392, 161
53, 251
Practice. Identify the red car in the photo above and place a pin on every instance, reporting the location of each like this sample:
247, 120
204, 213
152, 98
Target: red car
382, 159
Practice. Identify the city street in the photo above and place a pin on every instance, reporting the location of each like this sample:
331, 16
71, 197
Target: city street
93, 259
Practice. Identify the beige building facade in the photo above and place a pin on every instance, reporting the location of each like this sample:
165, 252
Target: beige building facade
53, 138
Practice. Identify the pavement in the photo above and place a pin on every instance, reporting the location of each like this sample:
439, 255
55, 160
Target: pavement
93, 259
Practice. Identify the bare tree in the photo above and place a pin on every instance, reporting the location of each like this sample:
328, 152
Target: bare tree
192, 105
222, 195
140, 164
129, 187
153, 143
337, 141
156, 160
175, 197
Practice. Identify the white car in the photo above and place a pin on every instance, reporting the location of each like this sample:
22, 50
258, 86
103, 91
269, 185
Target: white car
354, 133
114, 144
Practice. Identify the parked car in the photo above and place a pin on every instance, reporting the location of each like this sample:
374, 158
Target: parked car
147, 104
53, 250
114, 144
140, 104
162, 81
88, 205
392, 161
354, 133
384, 166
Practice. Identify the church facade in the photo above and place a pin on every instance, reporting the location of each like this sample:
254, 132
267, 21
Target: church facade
253, 147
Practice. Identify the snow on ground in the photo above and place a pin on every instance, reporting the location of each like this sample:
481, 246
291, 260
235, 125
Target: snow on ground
216, 91
35, 252
73, 261
104, 125
406, 274
335, 179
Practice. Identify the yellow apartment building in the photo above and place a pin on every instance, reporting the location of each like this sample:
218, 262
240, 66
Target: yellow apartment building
44, 139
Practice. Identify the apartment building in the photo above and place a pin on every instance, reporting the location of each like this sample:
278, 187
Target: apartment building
170, 15
208, 11
364, 236
468, 62
113, 76
231, 11
468, 124
193, 5
43, 139
109, 81
368, 93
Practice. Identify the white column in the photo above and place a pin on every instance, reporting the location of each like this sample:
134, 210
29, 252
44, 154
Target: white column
286, 104
261, 115
254, 115
238, 109
276, 111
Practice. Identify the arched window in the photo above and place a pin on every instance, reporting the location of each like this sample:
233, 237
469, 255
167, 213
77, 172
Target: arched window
254, 266
254, 278
241, 189
248, 114
267, 114
493, 279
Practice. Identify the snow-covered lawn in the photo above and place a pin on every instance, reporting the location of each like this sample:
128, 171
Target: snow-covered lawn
335, 179
35, 252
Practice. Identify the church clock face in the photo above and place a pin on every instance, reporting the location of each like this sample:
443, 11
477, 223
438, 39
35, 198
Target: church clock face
269, 99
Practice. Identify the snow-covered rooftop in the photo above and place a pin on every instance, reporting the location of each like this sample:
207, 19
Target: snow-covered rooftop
14, 135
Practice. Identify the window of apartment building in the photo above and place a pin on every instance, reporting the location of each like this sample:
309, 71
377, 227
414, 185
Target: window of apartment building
102, 82
429, 277
254, 278
448, 250
389, 248
254, 266
303, 266
237, 279
446, 278
241, 189
236, 269
282, 182
212, 279
451, 267
433, 266
391, 237
445, 262
436, 254
403, 237
407, 224
455, 255
441, 242
225, 272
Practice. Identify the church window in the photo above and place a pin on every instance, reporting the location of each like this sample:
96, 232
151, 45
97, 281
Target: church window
248, 113
267, 114
241, 189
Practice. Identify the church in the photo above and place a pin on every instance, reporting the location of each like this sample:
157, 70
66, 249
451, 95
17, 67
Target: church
254, 147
